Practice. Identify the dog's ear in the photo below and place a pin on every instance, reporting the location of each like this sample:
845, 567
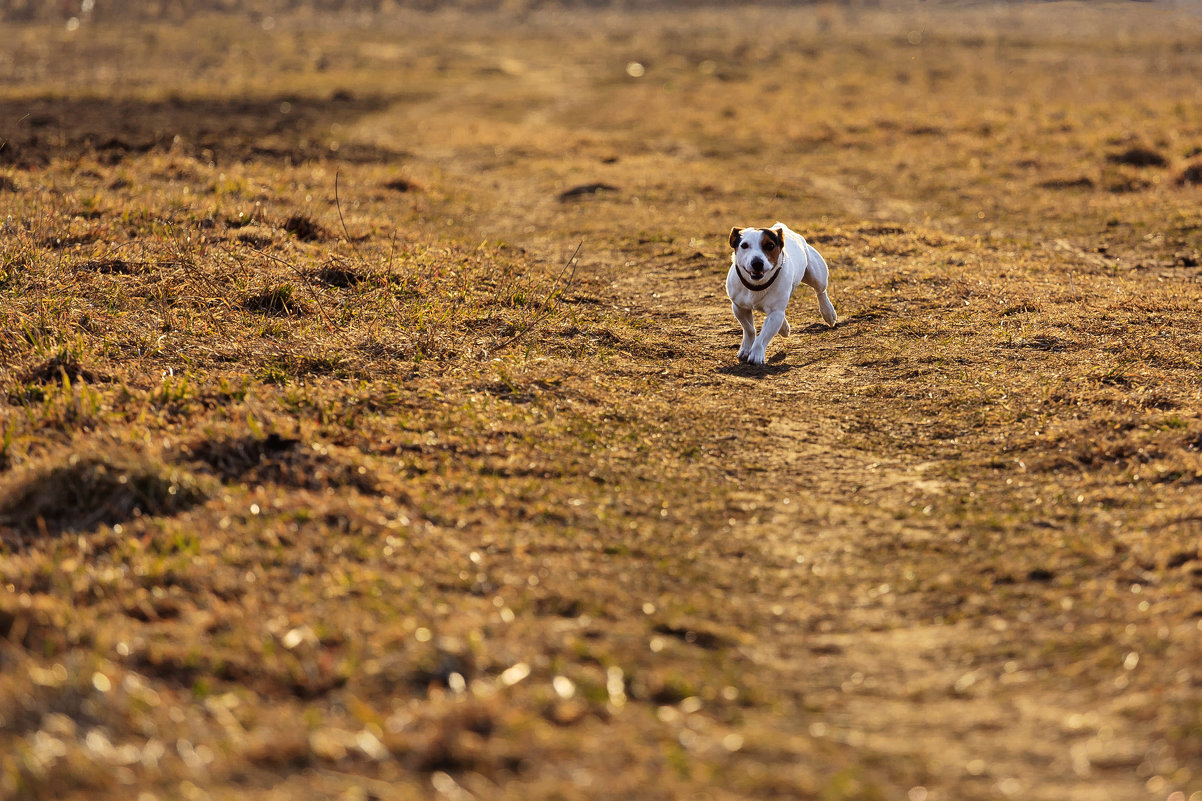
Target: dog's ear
777, 236
735, 235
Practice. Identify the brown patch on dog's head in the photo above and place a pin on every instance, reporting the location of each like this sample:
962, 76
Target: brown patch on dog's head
772, 242
736, 234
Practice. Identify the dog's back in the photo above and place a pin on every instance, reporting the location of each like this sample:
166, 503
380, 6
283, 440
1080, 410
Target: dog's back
809, 265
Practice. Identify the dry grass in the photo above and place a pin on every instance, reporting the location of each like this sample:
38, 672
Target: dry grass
330, 468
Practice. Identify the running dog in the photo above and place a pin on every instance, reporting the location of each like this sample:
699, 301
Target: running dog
765, 269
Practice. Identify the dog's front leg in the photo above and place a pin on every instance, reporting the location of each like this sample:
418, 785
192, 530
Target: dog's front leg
743, 315
772, 324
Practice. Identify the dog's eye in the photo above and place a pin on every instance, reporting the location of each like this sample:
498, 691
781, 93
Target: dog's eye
769, 245
744, 246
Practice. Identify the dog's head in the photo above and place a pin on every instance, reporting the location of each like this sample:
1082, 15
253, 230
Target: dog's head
757, 250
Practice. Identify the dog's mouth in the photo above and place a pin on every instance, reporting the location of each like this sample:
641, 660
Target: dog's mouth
757, 269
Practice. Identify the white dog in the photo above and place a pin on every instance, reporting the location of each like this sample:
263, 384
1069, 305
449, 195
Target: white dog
767, 265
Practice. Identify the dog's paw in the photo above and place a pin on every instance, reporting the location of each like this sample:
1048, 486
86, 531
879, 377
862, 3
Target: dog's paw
756, 357
827, 310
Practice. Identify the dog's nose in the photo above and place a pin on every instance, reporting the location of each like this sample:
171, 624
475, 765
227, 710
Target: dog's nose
757, 264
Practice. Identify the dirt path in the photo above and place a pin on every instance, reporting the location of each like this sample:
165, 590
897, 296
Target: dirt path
881, 661
877, 671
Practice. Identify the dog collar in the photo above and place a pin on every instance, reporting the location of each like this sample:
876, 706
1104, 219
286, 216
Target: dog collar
757, 287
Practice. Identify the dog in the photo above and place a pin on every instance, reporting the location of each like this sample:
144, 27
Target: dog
766, 267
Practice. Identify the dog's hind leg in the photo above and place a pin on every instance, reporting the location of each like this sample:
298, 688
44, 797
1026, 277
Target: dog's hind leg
815, 277
827, 310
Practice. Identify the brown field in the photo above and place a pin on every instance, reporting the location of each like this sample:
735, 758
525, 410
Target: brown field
371, 426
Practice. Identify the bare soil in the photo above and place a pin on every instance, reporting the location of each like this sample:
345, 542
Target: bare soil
371, 426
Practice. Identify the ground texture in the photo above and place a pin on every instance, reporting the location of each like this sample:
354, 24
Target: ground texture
371, 427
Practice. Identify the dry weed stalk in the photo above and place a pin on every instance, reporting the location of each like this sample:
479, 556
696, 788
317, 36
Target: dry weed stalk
554, 295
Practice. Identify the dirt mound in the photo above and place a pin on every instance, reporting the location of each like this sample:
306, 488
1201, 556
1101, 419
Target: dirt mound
584, 191
1139, 157
91, 491
57, 369
340, 276
305, 229
402, 185
1191, 175
111, 267
275, 459
277, 301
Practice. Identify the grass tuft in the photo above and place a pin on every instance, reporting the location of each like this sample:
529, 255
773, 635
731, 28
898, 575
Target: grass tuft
279, 300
